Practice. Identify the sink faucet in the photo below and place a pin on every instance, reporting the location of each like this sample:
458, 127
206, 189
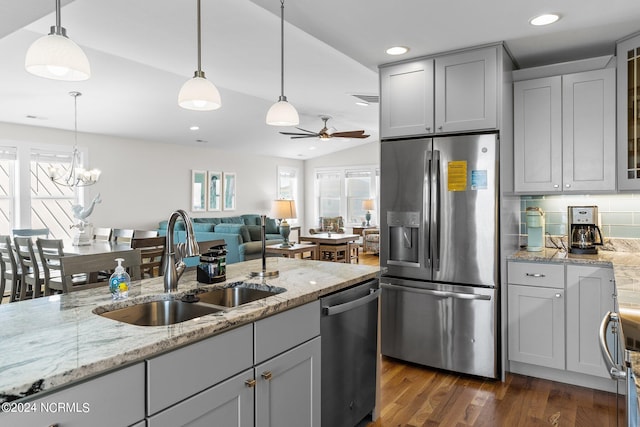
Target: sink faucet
173, 269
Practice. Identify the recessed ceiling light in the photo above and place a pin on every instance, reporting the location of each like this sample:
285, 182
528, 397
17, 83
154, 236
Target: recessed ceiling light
362, 103
194, 128
397, 50
544, 19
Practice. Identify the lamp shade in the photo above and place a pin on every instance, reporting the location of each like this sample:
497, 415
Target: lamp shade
57, 57
367, 204
283, 209
282, 114
199, 94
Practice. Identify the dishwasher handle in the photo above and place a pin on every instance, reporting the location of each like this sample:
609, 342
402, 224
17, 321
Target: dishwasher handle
341, 308
615, 371
443, 294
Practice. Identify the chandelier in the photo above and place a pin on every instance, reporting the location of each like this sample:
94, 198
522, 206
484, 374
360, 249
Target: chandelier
76, 175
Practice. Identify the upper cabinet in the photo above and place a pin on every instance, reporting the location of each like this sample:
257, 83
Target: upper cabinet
628, 55
564, 133
451, 93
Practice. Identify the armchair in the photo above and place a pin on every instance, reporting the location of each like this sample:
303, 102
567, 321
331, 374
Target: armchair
334, 224
371, 240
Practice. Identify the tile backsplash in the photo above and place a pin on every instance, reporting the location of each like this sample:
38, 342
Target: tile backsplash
619, 214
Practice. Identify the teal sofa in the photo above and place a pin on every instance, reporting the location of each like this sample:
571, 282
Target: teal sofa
242, 234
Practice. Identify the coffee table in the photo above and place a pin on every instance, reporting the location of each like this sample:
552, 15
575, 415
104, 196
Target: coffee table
298, 248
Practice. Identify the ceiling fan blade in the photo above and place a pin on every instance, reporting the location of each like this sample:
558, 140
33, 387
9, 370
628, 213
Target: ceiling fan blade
349, 134
304, 130
298, 134
306, 136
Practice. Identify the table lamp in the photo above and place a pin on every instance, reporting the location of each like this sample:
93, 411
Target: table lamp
283, 210
368, 205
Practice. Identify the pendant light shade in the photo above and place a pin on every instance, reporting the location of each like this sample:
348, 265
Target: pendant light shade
199, 93
57, 57
282, 113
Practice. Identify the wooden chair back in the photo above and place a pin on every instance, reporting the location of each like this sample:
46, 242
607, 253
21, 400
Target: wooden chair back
152, 255
102, 233
140, 234
122, 235
9, 270
50, 251
30, 232
28, 263
88, 264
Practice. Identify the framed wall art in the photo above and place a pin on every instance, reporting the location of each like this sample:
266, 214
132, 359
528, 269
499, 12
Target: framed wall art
229, 189
198, 190
214, 195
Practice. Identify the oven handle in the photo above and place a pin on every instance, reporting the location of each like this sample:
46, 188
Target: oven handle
443, 294
615, 371
341, 308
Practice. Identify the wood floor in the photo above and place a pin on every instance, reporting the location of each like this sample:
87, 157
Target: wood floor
413, 396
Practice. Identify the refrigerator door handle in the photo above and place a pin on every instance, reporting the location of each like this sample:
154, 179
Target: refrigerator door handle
435, 210
426, 208
615, 371
443, 294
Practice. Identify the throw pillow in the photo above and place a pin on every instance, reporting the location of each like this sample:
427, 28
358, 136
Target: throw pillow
229, 228
255, 231
233, 220
271, 226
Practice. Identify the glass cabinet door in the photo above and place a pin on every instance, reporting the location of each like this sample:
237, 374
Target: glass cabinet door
628, 54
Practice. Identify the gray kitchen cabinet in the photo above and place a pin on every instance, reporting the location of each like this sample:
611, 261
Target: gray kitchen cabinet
590, 293
564, 133
230, 403
628, 126
114, 399
536, 315
406, 99
288, 388
448, 93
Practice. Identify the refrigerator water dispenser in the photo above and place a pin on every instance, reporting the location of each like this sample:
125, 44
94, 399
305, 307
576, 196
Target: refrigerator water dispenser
404, 240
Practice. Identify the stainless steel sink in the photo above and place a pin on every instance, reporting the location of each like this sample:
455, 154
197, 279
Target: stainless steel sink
234, 296
160, 313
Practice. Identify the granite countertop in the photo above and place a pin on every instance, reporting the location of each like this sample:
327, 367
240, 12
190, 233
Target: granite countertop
53, 341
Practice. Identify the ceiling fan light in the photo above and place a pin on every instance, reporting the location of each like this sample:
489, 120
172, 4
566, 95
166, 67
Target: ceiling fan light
282, 114
199, 94
57, 57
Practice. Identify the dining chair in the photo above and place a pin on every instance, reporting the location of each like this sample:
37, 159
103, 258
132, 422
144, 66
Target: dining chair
30, 232
90, 264
138, 234
9, 270
31, 280
102, 233
51, 252
122, 235
151, 254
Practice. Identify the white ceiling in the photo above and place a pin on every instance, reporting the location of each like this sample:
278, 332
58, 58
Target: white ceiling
142, 51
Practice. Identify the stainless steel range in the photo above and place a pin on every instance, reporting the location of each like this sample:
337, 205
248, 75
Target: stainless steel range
439, 252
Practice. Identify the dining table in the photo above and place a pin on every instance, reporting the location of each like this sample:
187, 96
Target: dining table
96, 247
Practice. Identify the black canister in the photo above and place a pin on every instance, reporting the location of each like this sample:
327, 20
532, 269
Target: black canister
213, 265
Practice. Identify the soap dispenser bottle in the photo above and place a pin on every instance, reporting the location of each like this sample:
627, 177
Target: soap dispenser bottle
119, 282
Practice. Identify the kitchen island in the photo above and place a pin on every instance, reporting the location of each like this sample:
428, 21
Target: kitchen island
56, 341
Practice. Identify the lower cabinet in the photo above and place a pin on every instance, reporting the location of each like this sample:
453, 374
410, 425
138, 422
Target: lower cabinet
554, 315
114, 399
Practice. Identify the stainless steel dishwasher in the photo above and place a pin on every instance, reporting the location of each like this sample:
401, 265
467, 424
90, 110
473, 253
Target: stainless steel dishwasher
349, 331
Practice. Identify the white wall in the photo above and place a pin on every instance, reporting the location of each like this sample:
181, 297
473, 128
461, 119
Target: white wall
143, 182
368, 154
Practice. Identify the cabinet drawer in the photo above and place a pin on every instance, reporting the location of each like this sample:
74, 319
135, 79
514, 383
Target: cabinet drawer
181, 373
286, 330
536, 274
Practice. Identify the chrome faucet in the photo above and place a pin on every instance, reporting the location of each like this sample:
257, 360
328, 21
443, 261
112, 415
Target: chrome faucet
173, 269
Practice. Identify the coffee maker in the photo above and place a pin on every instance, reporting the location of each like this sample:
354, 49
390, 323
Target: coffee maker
584, 233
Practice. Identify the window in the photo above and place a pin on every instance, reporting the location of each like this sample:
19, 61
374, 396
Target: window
341, 192
288, 187
7, 183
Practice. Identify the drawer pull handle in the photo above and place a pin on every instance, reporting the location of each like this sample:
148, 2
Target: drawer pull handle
267, 375
250, 383
535, 274
558, 295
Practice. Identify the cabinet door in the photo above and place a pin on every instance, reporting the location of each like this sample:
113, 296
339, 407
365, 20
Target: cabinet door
537, 151
589, 114
536, 326
114, 399
628, 54
589, 296
465, 91
288, 388
406, 99
230, 403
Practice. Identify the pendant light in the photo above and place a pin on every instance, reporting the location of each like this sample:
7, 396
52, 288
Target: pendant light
76, 176
199, 93
282, 113
57, 57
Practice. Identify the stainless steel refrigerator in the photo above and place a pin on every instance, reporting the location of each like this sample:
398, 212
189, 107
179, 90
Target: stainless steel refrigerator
439, 252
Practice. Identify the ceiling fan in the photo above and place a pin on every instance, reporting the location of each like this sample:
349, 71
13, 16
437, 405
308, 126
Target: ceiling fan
324, 133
